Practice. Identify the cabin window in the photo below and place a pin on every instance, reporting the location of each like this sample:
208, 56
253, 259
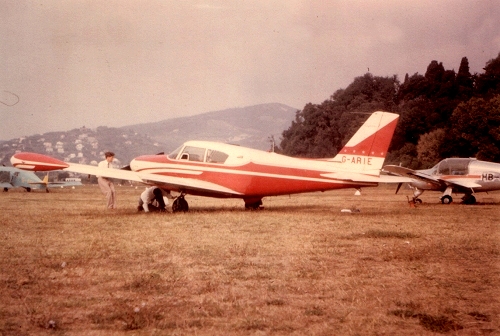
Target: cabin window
214, 156
444, 168
191, 153
459, 166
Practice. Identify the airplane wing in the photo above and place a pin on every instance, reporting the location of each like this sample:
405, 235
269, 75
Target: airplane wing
412, 174
4, 185
468, 184
46, 183
357, 177
167, 182
39, 162
454, 182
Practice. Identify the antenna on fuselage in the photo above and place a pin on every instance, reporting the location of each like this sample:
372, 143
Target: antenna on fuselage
271, 139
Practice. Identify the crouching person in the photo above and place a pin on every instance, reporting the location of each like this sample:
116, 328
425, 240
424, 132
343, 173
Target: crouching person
152, 200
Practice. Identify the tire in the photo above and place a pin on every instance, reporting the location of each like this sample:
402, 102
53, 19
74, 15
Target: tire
446, 199
469, 199
180, 204
254, 205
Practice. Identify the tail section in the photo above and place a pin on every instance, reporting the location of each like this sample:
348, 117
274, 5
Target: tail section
365, 152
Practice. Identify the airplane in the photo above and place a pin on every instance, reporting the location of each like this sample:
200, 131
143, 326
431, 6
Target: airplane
11, 177
221, 170
459, 175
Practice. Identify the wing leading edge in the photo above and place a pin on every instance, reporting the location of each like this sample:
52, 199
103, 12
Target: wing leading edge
34, 161
415, 174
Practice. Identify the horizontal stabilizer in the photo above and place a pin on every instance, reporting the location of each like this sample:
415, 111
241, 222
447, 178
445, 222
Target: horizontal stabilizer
398, 170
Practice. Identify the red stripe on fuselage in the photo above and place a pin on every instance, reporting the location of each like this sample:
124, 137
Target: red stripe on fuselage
250, 179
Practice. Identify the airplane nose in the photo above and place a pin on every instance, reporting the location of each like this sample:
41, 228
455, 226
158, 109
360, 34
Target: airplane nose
134, 165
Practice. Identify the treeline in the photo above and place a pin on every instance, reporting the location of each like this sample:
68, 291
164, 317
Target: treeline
442, 114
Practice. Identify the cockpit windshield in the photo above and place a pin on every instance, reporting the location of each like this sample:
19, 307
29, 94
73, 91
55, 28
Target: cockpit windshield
174, 154
198, 154
453, 166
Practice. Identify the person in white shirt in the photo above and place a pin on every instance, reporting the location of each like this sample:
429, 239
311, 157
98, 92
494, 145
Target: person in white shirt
106, 184
152, 199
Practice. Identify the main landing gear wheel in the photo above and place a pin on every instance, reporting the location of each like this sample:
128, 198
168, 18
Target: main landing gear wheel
446, 199
417, 200
469, 199
253, 205
180, 204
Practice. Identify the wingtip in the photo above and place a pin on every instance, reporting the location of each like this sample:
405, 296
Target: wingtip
36, 162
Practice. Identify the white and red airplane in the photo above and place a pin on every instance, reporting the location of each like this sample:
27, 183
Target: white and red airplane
230, 171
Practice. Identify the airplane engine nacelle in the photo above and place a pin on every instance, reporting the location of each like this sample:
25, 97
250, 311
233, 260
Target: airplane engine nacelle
36, 162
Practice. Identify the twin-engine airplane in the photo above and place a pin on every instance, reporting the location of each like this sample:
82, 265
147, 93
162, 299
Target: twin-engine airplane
11, 177
228, 171
467, 176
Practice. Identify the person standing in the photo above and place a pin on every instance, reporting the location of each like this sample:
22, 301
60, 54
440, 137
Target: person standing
106, 184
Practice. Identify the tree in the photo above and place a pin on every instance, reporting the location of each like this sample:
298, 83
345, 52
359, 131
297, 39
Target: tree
429, 147
488, 83
475, 129
405, 156
322, 130
465, 82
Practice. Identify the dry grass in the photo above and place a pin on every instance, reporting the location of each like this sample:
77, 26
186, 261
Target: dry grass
299, 266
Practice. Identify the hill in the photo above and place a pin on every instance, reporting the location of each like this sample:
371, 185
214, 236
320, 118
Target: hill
250, 126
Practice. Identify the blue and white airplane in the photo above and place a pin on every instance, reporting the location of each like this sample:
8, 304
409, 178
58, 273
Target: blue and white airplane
11, 177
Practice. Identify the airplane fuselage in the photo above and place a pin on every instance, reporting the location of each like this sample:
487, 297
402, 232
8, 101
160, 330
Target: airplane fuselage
248, 172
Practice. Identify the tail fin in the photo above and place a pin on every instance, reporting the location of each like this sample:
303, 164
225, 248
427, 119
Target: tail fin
365, 152
46, 179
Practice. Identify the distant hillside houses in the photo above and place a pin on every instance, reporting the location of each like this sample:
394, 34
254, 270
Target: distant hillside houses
250, 126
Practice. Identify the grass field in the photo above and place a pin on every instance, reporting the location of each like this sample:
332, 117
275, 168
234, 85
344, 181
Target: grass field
300, 266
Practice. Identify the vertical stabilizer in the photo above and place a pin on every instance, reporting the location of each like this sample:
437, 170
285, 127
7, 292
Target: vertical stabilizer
365, 152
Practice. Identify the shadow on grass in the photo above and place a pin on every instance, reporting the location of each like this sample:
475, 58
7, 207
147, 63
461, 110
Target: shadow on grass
440, 324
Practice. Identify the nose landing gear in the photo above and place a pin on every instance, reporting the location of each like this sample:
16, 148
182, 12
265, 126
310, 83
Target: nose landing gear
446, 199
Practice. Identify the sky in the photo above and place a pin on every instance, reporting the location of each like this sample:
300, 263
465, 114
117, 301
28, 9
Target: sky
72, 63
